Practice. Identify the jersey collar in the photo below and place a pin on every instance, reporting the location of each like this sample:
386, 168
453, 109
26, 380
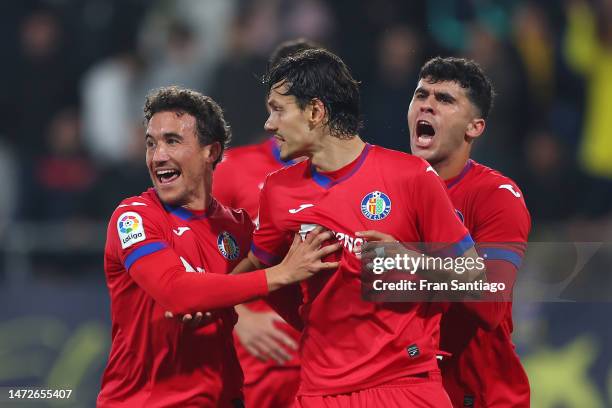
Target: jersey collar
454, 180
327, 179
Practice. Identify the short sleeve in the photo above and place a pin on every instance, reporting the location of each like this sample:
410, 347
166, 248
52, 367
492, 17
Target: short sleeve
135, 231
502, 223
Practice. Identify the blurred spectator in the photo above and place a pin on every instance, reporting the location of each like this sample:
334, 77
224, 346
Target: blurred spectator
237, 86
179, 63
111, 95
58, 181
183, 41
588, 49
44, 80
117, 182
387, 97
8, 198
509, 121
534, 41
552, 191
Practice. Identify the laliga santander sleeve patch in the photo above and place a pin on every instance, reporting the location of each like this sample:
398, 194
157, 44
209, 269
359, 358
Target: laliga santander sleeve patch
130, 229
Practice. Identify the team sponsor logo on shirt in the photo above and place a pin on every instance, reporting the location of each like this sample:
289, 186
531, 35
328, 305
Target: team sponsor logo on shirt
130, 229
376, 205
228, 246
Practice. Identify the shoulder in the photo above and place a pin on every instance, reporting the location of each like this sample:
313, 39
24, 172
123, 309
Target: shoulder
287, 175
146, 203
391, 157
400, 165
489, 183
499, 202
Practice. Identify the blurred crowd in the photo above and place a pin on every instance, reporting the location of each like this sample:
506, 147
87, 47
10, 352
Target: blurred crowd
76, 73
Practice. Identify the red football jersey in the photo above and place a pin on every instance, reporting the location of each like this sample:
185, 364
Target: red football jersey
347, 343
484, 370
237, 182
154, 361
239, 178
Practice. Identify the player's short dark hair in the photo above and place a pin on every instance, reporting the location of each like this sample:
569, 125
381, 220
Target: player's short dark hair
320, 74
210, 123
466, 73
290, 47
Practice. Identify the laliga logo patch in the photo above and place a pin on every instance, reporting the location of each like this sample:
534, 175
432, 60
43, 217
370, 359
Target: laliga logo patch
130, 229
376, 205
228, 246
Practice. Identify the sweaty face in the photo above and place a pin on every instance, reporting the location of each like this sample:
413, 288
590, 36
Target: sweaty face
177, 163
288, 123
438, 118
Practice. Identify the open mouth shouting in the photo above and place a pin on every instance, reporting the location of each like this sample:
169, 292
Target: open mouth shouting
166, 176
425, 133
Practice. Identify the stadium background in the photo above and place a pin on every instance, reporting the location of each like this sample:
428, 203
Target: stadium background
73, 79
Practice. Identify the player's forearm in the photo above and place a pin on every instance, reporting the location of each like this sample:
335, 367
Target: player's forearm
181, 292
492, 312
248, 264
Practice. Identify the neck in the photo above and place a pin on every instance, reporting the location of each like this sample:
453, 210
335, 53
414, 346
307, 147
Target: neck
452, 166
203, 196
334, 153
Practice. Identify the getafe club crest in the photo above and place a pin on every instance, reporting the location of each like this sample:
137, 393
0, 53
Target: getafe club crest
376, 205
228, 246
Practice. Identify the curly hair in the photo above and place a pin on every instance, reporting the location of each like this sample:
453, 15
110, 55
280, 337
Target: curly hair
466, 73
210, 123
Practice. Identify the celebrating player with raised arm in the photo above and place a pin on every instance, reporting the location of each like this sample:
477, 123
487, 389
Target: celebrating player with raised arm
447, 114
353, 353
171, 249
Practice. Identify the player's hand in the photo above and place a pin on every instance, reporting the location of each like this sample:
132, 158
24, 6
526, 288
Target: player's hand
258, 333
195, 320
303, 259
372, 249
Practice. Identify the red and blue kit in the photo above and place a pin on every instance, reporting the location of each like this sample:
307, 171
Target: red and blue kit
349, 344
159, 258
237, 182
484, 370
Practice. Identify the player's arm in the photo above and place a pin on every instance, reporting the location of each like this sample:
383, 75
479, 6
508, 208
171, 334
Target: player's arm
501, 230
163, 276
393, 248
285, 301
442, 231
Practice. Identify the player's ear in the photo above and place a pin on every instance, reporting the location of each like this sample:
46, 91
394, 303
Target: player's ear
213, 151
316, 112
475, 128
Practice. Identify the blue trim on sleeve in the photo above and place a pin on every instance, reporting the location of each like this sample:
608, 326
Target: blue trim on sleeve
143, 251
263, 256
501, 254
458, 248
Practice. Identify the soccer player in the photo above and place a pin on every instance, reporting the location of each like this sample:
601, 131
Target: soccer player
447, 114
353, 353
266, 345
171, 249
